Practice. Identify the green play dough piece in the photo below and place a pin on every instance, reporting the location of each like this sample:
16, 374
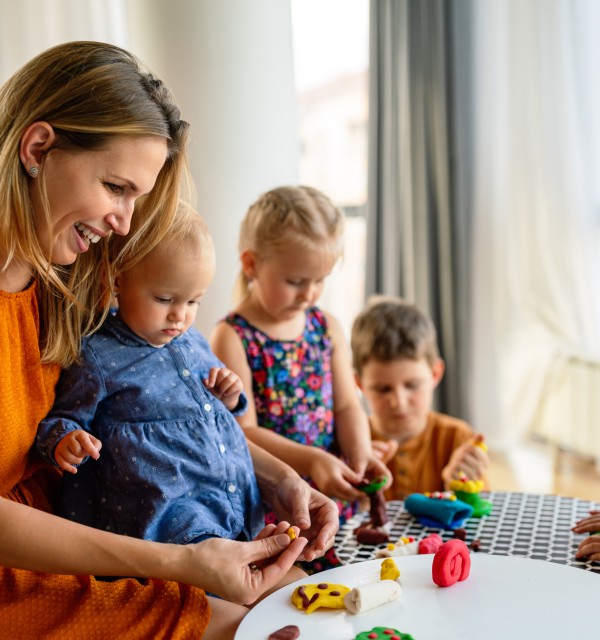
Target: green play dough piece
480, 506
373, 486
383, 633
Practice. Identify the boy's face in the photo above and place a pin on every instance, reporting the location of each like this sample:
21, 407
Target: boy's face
400, 394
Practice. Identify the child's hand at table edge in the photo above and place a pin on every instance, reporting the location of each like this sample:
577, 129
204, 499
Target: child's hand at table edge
589, 524
333, 476
74, 447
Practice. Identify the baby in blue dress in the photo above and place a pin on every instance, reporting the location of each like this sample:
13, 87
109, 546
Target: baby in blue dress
145, 422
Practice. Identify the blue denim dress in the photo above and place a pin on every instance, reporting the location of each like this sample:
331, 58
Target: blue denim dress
174, 464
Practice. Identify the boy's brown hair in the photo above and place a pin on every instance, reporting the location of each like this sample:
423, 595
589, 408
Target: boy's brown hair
390, 329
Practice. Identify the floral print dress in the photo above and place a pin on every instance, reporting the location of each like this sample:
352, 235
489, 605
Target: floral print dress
292, 388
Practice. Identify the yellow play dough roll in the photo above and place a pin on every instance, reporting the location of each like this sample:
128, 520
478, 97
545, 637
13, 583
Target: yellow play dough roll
373, 595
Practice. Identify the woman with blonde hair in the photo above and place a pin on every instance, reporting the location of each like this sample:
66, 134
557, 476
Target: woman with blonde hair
87, 137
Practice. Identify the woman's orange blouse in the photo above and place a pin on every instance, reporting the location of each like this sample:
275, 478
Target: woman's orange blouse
38, 605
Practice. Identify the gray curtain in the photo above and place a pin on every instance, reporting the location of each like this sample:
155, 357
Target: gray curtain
418, 221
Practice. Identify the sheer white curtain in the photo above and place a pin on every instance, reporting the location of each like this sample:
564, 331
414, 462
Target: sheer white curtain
536, 238
27, 28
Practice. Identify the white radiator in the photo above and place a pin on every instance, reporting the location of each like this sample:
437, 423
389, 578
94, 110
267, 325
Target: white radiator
569, 410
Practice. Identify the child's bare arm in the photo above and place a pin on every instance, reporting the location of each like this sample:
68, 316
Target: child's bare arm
73, 448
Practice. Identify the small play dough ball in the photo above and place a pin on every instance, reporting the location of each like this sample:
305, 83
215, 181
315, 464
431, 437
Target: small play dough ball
291, 533
383, 633
451, 563
389, 570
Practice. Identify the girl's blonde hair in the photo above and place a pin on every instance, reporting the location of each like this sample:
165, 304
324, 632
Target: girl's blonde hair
301, 216
89, 92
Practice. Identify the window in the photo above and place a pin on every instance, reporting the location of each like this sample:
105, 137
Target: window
331, 67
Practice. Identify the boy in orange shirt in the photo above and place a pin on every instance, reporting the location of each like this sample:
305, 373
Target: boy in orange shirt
397, 367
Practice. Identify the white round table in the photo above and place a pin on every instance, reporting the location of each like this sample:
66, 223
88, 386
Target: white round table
504, 597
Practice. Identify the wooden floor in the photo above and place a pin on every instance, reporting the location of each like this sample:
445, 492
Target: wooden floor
540, 468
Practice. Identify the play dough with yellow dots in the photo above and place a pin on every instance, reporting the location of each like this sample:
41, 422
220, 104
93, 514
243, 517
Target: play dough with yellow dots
310, 597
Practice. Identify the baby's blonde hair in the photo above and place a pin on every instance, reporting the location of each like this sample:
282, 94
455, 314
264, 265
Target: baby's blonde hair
301, 216
188, 232
90, 93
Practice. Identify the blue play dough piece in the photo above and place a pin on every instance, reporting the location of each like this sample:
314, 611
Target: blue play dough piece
436, 513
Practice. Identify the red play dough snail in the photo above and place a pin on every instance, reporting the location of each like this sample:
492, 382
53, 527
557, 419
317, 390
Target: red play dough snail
451, 563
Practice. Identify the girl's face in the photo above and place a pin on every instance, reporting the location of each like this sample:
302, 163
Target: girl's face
400, 394
91, 193
159, 297
287, 283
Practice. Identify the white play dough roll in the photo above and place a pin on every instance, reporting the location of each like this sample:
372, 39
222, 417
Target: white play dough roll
373, 595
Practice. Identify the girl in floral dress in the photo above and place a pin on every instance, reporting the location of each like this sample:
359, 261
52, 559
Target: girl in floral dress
291, 356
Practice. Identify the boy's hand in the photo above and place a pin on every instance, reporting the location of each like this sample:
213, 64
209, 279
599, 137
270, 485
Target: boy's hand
74, 447
470, 459
225, 385
385, 450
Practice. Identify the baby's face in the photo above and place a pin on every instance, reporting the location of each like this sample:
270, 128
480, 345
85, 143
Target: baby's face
400, 394
159, 297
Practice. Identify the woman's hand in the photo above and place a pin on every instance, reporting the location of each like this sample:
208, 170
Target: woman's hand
241, 571
295, 501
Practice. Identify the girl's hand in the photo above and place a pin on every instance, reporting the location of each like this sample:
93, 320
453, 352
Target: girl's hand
242, 571
225, 385
589, 549
591, 524
385, 450
316, 516
469, 460
333, 476
377, 468
74, 447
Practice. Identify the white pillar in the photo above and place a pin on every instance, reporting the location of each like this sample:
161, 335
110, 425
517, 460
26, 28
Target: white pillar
230, 65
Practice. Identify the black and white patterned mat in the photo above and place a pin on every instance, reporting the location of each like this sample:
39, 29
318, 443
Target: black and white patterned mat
521, 524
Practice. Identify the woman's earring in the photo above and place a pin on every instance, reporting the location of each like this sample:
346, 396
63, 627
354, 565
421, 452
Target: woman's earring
33, 171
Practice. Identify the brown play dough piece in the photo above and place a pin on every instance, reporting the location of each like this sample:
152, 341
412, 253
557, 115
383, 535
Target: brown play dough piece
291, 632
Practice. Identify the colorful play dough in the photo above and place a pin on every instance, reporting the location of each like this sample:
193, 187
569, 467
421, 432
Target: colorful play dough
309, 597
468, 491
383, 633
442, 511
451, 563
389, 570
430, 544
290, 632
372, 595
405, 546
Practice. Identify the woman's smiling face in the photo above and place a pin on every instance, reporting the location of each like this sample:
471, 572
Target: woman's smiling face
91, 193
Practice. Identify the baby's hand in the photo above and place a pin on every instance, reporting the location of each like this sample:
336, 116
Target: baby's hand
74, 447
225, 385
470, 460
